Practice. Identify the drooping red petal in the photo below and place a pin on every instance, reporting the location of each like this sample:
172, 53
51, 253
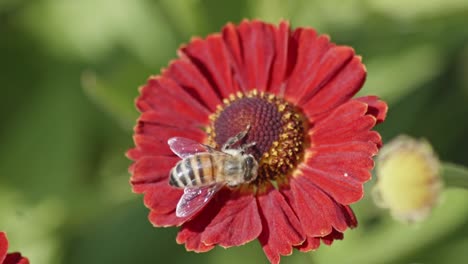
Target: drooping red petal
3, 246
237, 222
339, 89
375, 107
281, 227
210, 57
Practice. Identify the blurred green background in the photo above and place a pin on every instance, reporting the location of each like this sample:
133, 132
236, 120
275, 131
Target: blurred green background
69, 73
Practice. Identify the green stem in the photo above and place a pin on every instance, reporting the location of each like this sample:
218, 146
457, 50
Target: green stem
455, 175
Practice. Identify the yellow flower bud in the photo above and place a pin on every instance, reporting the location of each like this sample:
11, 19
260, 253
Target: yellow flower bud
408, 179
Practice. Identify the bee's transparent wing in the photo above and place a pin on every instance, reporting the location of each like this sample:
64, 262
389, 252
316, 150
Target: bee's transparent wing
195, 198
184, 147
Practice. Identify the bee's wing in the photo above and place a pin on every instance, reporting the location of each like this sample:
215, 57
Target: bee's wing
195, 198
184, 147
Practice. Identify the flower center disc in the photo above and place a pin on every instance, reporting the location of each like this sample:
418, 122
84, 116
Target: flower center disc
276, 127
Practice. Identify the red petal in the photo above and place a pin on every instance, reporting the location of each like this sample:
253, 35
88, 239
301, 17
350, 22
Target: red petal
188, 76
342, 163
149, 146
252, 49
310, 50
161, 198
167, 117
3, 246
348, 122
151, 138
281, 228
162, 94
191, 232
12, 258
331, 64
191, 237
15, 258
211, 58
339, 89
334, 235
342, 150
237, 223
284, 60
150, 170
375, 107
341, 169
311, 243
165, 219
257, 39
342, 189
164, 132
133, 154
233, 44
317, 212
349, 215
150, 176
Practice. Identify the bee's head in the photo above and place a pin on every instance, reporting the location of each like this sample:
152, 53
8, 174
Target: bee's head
251, 168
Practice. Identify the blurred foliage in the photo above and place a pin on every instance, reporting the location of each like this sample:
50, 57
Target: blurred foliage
69, 73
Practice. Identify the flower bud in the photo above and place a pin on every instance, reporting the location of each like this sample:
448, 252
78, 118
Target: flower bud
408, 179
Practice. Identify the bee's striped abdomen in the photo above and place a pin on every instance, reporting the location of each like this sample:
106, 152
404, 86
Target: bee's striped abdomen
207, 169
178, 177
197, 170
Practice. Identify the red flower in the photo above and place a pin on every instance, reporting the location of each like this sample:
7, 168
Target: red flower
314, 143
12, 258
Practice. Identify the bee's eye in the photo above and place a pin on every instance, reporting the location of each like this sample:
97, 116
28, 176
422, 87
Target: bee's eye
249, 161
251, 168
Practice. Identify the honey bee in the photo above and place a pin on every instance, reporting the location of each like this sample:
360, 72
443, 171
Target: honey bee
203, 171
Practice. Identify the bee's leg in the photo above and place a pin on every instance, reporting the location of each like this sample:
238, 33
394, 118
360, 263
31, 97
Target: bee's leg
233, 140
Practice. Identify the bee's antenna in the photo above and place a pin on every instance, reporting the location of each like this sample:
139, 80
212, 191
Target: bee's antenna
248, 145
